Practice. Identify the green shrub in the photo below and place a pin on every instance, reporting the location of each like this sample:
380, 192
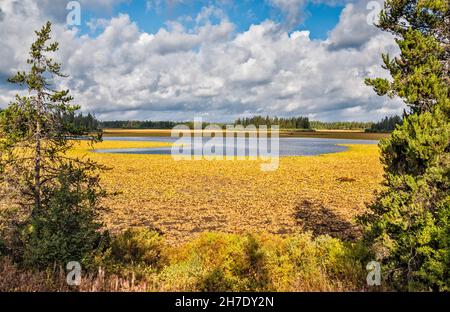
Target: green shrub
138, 246
215, 281
228, 262
301, 263
217, 262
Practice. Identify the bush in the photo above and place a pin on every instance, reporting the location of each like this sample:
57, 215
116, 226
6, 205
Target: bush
301, 263
217, 262
138, 246
228, 262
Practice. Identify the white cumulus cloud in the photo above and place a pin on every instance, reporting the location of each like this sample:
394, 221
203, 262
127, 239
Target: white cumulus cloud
210, 70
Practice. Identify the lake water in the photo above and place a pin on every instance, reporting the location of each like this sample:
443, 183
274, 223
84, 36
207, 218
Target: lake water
287, 146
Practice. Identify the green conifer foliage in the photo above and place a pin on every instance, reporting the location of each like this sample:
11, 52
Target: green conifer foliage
53, 198
409, 223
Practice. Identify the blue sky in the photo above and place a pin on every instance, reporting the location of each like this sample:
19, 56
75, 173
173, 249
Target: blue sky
318, 18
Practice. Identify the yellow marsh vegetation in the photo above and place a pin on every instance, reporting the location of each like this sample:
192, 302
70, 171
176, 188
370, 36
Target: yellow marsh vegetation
322, 194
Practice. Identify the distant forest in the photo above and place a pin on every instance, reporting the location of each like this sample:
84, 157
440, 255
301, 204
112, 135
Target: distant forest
284, 123
340, 125
134, 124
85, 123
387, 124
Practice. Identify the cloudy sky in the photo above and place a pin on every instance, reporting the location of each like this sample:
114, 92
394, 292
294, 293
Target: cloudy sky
223, 59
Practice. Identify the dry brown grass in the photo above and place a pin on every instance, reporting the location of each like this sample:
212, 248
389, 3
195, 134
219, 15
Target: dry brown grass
14, 279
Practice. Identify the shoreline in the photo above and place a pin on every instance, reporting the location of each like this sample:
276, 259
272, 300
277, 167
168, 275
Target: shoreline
325, 134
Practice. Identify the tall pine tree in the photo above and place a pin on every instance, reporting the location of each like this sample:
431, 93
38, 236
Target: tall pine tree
53, 198
409, 222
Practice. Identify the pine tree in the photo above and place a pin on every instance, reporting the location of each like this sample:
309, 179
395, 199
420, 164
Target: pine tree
57, 196
409, 223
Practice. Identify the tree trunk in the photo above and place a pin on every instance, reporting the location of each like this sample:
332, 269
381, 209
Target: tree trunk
37, 157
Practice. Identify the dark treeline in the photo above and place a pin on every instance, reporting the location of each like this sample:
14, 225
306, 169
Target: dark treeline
84, 123
80, 123
148, 124
90, 123
284, 123
387, 124
340, 125
135, 124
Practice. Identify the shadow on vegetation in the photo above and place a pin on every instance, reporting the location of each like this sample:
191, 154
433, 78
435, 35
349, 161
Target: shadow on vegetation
321, 220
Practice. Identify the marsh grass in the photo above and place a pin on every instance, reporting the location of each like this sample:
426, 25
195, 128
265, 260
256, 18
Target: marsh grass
215, 262
185, 198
